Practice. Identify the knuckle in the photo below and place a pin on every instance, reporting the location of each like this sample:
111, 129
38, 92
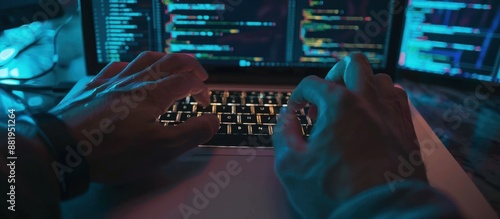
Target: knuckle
180, 57
383, 76
311, 78
179, 79
113, 63
400, 93
147, 54
117, 65
174, 57
358, 57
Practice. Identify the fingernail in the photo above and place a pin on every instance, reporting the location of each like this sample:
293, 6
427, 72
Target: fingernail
284, 115
347, 60
214, 125
284, 110
204, 100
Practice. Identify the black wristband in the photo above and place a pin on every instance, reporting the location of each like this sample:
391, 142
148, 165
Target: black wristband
70, 168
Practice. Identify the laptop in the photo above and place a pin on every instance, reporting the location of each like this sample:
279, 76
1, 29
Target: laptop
255, 52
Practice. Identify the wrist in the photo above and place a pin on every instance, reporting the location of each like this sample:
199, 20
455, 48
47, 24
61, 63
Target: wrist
70, 169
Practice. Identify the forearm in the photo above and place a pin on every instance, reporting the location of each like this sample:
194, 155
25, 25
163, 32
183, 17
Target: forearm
35, 188
411, 199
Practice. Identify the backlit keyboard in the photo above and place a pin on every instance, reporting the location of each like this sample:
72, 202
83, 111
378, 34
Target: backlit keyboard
247, 117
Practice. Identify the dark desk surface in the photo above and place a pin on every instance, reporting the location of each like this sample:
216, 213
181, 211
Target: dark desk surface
470, 124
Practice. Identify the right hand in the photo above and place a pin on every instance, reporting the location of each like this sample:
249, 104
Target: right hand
362, 131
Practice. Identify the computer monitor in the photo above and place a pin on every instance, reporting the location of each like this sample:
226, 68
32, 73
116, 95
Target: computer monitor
254, 34
455, 38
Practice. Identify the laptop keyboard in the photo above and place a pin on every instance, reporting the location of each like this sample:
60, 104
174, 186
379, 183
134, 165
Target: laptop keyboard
247, 117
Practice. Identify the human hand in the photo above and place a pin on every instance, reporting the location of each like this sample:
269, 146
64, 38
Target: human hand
362, 131
114, 117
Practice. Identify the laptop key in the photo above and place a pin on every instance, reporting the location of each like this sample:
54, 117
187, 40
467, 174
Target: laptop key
284, 100
228, 118
303, 120
306, 110
217, 92
238, 129
171, 108
270, 101
265, 119
249, 119
183, 107
222, 129
307, 129
251, 100
216, 99
270, 94
186, 116
223, 109
233, 100
168, 117
262, 109
173, 123
243, 109
190, 100
253, 93
277, 109
260, 130
201, 109
235, 93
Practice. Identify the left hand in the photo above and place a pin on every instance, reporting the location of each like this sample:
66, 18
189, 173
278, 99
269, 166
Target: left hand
115, 115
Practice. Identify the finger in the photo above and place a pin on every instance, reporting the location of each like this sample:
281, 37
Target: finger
288, 134
385, 86
175, 64
337, 73
312, 90
403, 100
178, 86
199, 129
142, 62
111, 70
404, 104
355, 72
193, 132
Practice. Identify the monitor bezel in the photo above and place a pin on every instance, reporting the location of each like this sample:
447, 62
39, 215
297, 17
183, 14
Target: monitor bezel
251, 75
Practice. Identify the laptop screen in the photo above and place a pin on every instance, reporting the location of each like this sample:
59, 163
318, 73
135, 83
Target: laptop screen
244, 33
457, 38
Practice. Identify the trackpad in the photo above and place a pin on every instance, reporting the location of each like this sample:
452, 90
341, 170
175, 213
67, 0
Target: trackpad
222, 187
